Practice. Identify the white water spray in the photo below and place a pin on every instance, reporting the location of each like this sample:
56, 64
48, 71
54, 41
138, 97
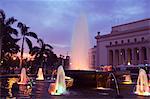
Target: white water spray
80, 45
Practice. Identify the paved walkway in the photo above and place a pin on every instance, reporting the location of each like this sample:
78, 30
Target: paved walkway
40, 91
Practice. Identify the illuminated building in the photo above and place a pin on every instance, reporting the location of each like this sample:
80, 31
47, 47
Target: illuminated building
126, 44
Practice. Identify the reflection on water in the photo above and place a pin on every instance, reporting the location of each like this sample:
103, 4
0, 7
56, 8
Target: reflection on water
11, 81
10, 88
25, 90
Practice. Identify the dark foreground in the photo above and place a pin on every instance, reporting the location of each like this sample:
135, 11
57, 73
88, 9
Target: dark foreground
40, 91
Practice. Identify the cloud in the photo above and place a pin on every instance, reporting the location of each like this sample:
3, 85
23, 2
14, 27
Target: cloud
54, 20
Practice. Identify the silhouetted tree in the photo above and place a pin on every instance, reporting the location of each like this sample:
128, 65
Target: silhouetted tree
44, 55
8, 43
41, 53
25, 34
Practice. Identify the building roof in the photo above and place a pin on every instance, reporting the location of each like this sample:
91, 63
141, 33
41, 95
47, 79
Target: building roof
131, 27
132, 22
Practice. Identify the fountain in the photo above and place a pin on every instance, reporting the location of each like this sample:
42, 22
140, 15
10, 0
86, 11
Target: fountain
115, 80
59, 87
142, 87
40, 75
79, 68
80, 46
24, 77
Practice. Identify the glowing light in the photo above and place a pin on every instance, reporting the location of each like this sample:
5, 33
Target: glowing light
129, 63
137, 51
2, 62
40, 75
127, 79
14, 58
26, 56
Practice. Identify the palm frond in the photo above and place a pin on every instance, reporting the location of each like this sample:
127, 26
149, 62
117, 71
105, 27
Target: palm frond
10, 21
29, 43
49, 46
2, 15
23, 28
32, 34
16, 40
11, 30
34, 50
41, 43
20, 25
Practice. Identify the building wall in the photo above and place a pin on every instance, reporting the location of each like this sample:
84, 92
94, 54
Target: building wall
125, 36
92, 57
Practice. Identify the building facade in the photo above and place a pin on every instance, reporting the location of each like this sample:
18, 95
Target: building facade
126, 44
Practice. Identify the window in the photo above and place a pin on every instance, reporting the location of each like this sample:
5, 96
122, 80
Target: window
128, 41
122, 41
142, 39
110, 43
116, 42
135, 40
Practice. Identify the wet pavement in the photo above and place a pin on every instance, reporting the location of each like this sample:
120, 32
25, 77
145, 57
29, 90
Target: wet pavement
40, 91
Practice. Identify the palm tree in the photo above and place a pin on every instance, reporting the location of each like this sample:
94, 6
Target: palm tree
25, 34
7, 42
41, 53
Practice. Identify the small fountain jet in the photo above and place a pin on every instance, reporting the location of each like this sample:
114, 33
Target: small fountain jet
24, 77
40, 75
142, 87
59, 87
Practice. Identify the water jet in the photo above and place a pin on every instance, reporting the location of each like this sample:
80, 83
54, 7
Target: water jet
40, 74
142, 87
24, 77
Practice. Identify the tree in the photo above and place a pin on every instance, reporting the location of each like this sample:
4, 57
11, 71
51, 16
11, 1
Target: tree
43, 54
7, 42
25, 34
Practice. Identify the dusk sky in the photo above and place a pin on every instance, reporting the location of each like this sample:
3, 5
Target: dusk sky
54, 20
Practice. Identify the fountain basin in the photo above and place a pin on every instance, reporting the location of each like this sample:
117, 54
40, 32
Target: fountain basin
91, 78
86, 78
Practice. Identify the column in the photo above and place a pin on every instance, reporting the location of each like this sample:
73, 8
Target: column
140, 56
133, 56
148, 55
114, 57
117, 56
110, 57
126, 56
97, 54
120, 57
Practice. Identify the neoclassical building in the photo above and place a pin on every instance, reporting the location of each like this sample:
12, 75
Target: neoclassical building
126, 44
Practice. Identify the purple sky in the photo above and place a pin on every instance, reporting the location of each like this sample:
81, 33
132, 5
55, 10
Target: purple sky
54, 20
